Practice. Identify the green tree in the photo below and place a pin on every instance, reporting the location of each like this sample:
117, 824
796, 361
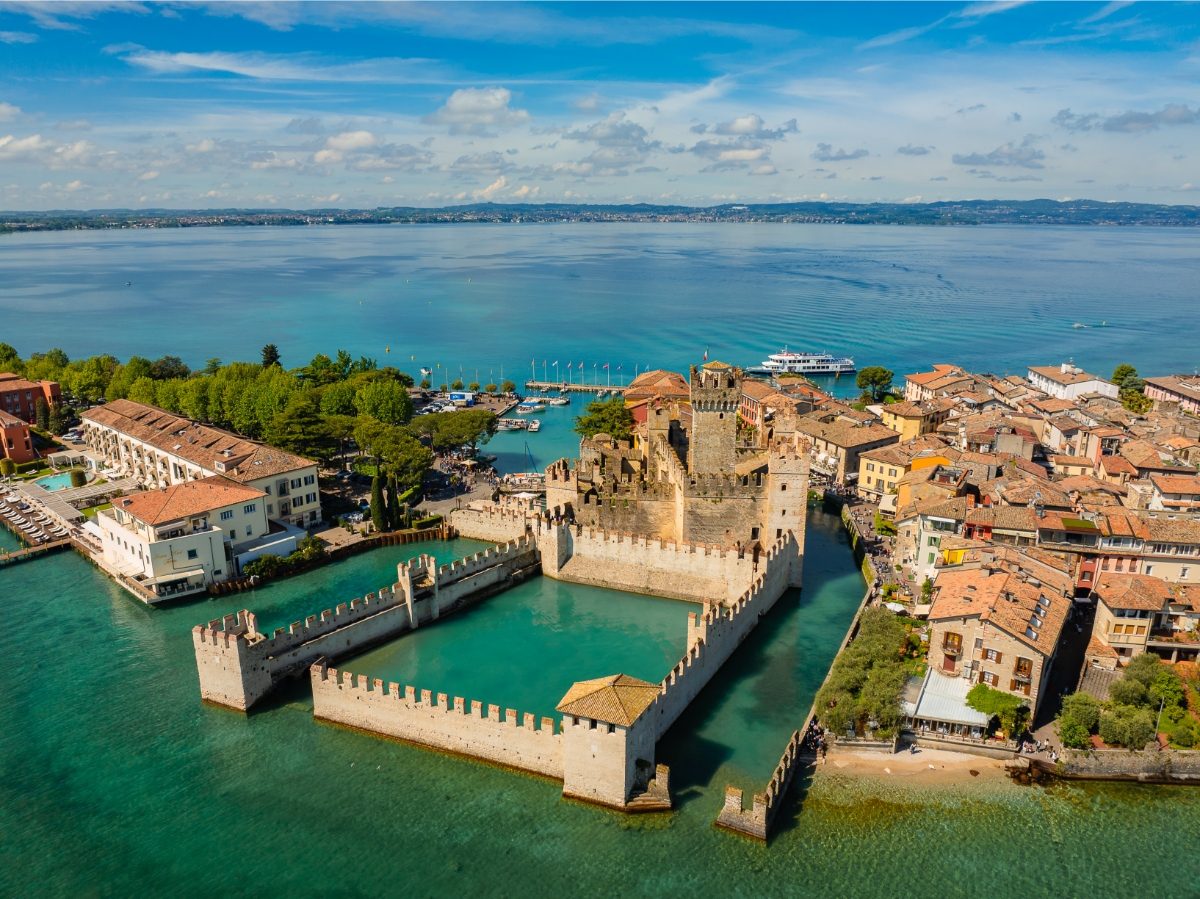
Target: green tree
386, 401
875, 380
457, 384
378, 510
299, 428
1128, 726
508, 387
10, 361
609, 417
473, 387
1079, 716
41, 414
8, 467
338, 399
394, 450
1136, 401
168, 367
78, 478
1011, 711
166, 394
425, 383
489, 388
212, 366
58, 420
1126, 377
142, 391
193, 398
393, 503
270, 355
125, 375
340, 429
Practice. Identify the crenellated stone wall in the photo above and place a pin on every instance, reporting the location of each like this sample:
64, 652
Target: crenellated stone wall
436, 720
720, 629
490, 522
637, 564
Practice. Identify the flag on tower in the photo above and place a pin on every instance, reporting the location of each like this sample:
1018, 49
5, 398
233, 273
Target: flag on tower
706, 354
606, 366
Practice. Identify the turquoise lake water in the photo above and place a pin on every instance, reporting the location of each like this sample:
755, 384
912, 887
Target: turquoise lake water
486, 299
115, 779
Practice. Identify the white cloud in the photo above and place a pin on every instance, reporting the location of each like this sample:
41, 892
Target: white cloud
349, 141
479, 111
525, 192
17, 37
492, 189
207, 145
148, 176
36, 149
72, 186
8, 111
281, 67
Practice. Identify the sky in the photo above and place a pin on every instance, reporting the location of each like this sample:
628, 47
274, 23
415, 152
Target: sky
357, 105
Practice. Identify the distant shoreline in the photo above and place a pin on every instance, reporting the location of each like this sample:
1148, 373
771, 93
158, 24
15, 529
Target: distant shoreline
1091, 213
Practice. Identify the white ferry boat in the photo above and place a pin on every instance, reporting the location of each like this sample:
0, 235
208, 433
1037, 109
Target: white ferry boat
787, 362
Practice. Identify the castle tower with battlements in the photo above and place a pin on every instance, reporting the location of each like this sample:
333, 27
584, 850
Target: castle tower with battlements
716, 392
685, 476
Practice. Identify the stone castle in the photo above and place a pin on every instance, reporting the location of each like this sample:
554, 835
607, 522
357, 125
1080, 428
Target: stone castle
685, 476
681, 511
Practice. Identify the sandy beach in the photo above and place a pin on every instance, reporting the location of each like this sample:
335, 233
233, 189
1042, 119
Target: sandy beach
928, 767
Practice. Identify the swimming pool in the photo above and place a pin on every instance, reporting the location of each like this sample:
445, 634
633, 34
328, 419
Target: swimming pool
55, 482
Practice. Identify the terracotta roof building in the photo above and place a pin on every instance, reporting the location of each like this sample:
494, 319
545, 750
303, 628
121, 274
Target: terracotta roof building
19, 397
160, 448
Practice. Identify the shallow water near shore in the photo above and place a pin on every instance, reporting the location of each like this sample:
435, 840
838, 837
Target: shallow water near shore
115, 779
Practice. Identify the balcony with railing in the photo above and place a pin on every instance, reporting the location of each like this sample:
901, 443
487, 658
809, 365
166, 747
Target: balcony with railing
952, 646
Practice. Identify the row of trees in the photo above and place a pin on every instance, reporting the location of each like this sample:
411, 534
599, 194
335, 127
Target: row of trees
866, 681
1148, 696
314, 410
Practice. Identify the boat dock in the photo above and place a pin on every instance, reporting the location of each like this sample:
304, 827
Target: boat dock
565, 387
33, 552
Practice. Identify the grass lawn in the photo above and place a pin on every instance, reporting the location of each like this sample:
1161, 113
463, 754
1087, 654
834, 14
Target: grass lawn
90, 512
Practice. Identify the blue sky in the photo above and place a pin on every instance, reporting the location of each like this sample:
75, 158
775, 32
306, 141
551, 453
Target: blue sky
300, 105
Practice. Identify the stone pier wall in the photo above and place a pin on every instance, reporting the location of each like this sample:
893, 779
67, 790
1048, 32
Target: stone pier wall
238, 665
715, 634
756, 821
1166, 766
448, 723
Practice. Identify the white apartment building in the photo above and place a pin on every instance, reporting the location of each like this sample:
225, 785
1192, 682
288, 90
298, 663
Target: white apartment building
179, 539
160, 449
1069, 382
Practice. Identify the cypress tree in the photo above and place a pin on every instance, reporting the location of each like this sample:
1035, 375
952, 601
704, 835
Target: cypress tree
378, 511
393, 507
41, 415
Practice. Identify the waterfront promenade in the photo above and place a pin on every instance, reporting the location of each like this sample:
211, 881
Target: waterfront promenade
567, 387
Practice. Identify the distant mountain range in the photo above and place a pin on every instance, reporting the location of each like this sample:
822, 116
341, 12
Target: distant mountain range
954, 212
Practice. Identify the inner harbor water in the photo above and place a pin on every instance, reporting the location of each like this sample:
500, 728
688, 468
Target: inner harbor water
115, 779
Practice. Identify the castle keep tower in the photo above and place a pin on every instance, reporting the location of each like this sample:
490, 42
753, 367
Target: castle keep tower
712, 444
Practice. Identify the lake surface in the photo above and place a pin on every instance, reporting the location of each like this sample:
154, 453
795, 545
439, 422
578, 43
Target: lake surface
116, 780
485, 301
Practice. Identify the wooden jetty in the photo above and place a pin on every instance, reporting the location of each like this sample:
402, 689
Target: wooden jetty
32, 552
566, 387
